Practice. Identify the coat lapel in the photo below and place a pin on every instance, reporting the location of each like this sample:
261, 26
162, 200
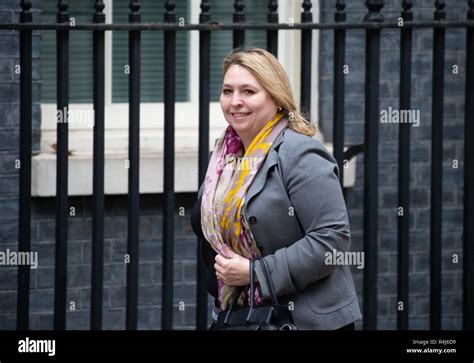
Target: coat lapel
261, 177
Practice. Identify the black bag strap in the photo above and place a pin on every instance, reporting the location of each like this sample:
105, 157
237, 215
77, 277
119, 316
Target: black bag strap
269, 281
235, 298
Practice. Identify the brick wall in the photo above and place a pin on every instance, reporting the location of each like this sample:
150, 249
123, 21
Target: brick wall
80, 226
420, 149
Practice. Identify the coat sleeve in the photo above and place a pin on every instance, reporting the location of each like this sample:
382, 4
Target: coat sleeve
311, 177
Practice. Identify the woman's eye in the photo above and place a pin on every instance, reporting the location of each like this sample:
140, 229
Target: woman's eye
249, 91
226, 91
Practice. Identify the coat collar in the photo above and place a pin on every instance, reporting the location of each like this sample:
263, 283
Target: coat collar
261, 177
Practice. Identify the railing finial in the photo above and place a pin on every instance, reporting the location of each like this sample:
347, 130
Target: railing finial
374, 7
99, 16
272, 6
205, 15
340, 14
25, 15
239, 15
170, 15
134, 16
306, 15
439, 13
407, 13
63, 15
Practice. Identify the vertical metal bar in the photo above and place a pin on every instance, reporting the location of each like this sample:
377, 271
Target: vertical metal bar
98, 172
468, 226
339, 89
272, 35
404, 169
372, 75
437, 168
306, 50
239, 17
168, 188
204, 95
24, 223
134, 167
62, 99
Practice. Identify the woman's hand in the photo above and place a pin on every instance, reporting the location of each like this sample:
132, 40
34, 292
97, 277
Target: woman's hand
233, 270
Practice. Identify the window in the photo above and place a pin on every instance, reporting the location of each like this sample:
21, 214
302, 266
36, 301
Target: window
151, 108
80, 56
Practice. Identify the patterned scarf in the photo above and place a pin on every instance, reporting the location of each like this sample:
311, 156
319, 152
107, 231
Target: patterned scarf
228, 177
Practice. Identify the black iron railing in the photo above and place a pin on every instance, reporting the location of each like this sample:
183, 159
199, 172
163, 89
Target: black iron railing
373, 24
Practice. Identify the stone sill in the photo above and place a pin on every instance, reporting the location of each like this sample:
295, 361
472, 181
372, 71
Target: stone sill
116, 174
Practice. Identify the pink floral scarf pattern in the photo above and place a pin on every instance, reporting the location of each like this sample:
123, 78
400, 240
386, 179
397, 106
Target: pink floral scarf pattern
228, 178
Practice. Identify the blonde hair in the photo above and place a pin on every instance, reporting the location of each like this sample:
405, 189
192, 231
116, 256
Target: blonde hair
272, 76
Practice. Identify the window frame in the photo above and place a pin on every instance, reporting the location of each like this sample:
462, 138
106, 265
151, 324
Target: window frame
152, 122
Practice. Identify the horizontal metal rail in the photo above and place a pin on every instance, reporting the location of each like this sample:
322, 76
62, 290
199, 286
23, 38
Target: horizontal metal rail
237, 26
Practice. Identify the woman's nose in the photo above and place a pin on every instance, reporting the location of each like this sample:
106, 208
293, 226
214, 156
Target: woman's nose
236, 100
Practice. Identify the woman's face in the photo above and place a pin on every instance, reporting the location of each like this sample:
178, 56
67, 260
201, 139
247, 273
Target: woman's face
247, 106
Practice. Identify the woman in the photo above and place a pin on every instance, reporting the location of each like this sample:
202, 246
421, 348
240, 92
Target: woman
272, 190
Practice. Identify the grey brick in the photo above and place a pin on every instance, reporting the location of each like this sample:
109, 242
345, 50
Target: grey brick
150, 296
8, 278
419, 240
452, 304
190, 316
150, 250
42, 321
78, 320
115, 274
452, 322
422, 262
114, 319
419, 324
419, 284
422, 306
115, 227
157, 272
451, 283
78, 276
189, 271
79, 228
7, 322
9, 232
9, 209
116, 296
386, 284
41, 300
9, 139
45, 278
448, 260
185, 292
421, 153
146, 319
6, 70
388, 242
7, 163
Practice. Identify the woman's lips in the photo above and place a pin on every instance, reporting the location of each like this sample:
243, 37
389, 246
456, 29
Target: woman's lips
239, 115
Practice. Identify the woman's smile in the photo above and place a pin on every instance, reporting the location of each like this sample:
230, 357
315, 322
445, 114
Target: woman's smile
240, 116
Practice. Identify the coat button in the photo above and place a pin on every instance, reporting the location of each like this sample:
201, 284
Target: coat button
253, 220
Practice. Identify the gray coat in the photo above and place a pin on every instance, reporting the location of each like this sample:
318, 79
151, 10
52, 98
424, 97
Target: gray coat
296, 211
